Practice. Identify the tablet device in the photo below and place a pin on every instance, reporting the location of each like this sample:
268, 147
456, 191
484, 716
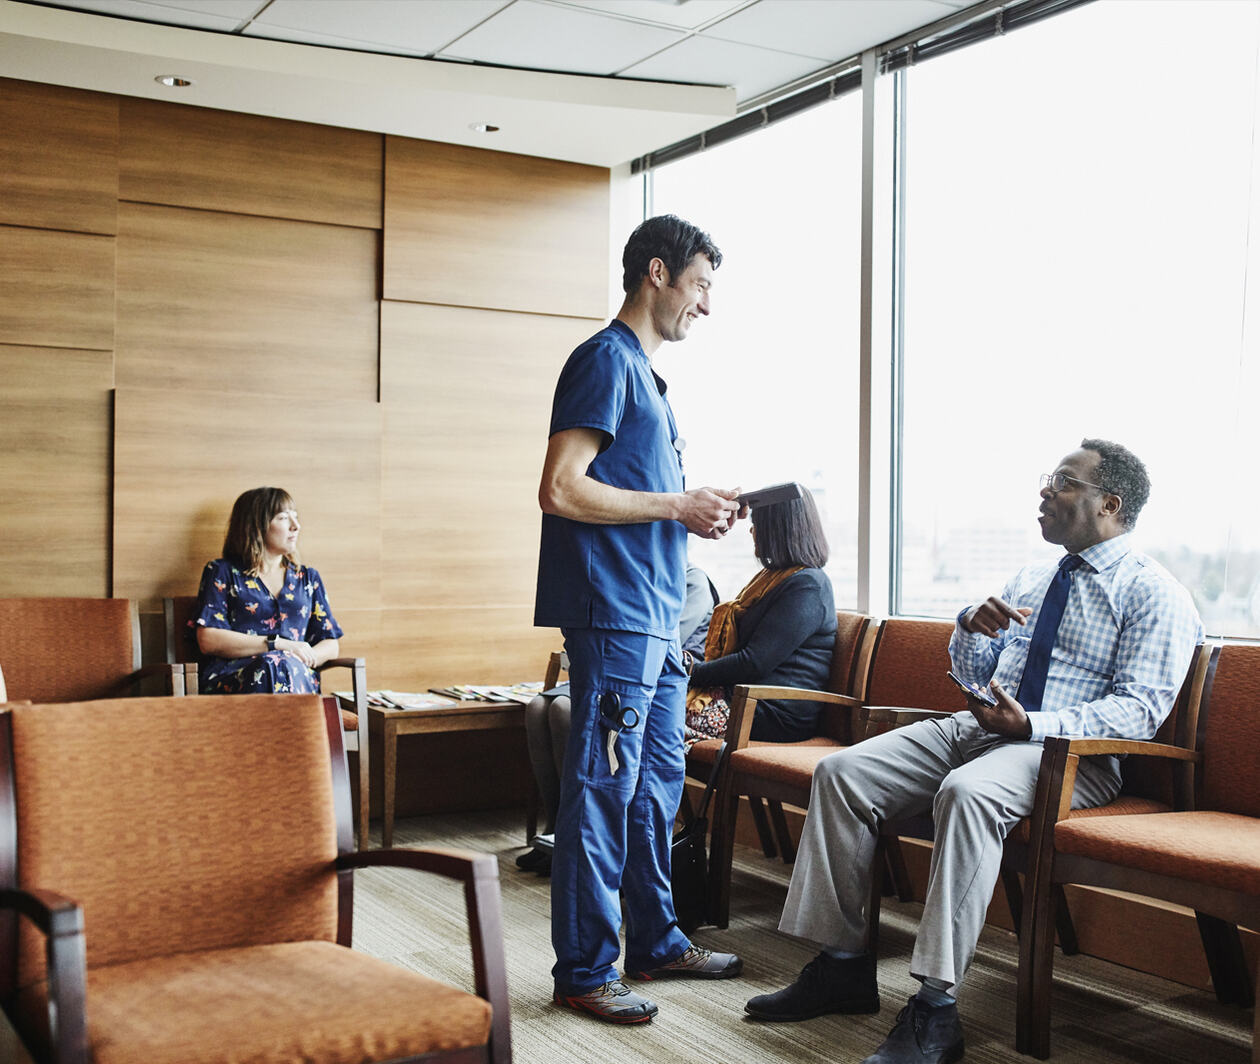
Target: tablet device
774, 493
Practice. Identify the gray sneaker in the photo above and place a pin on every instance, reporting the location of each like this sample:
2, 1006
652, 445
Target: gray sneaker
614, 1002
695, 962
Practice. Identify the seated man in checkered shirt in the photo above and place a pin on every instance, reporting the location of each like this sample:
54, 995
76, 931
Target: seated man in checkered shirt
1117, 633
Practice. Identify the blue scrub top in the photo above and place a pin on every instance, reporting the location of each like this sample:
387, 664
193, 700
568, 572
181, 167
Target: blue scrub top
625, 577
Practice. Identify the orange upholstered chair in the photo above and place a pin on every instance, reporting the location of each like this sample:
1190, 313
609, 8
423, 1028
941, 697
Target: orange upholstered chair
70, 649
185, 898
782, 772
179, 614
1204, 854
908, 681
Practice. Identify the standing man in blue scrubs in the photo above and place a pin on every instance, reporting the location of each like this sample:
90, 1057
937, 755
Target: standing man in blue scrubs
611, 576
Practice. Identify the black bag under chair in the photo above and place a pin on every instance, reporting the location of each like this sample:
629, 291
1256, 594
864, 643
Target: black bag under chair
689, 860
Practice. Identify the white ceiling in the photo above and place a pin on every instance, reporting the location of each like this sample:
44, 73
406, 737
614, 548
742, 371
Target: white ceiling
619, 77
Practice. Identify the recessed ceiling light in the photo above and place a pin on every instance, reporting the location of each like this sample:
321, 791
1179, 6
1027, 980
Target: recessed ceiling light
173, 81
483, 127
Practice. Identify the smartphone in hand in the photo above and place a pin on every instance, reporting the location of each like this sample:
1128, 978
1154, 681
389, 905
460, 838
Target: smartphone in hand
980, 694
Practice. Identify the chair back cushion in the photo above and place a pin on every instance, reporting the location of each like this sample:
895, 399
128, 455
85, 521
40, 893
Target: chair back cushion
1229, 729
849, 630
172, 833
180, 615
836, 722
1154, 777
66, 649
910, 665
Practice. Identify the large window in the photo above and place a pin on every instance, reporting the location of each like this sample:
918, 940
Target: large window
765, 389
1079, 237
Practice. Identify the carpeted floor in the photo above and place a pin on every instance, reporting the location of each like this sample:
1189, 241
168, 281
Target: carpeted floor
1103, 1014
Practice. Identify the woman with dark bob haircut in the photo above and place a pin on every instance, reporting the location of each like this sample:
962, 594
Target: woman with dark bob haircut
780, 630
263, 620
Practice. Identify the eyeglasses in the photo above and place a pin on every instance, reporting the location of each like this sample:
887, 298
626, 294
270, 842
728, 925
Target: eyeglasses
1056, 482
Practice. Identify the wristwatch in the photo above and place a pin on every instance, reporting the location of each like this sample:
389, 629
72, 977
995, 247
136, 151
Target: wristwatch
271, 641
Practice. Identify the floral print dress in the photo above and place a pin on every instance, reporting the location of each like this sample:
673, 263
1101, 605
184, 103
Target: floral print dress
239, 602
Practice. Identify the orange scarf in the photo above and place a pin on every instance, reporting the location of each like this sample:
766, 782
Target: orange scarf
723, 637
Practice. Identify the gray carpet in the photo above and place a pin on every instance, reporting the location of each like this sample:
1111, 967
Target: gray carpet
1103, 1013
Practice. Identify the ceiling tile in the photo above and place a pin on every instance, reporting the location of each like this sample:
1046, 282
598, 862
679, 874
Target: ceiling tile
547, 37
402, 25
237, 9
169, 14
684, 16
826, 29
704, 61
284, 33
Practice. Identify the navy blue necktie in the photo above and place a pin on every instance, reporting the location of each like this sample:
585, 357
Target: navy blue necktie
1032, 686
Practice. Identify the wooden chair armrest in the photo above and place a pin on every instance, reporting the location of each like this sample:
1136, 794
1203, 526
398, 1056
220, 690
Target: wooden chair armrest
173, 675
463, 865
880, 719
480, 875
1094, 747
746, 696
358, 683
60, 919
52, 913
799, 694
341, 663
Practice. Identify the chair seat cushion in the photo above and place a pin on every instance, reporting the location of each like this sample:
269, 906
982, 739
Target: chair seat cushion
784, 763
1125, 805
309, 1001
704, 752
349, 719
1222, 849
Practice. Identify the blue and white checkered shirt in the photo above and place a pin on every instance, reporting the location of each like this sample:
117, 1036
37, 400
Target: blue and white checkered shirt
1120, 654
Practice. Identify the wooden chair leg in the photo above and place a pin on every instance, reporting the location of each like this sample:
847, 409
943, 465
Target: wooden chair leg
879, 862
1063, 923
786, 846
1036, 974
721, 854
1226, 960
897, 867
1014, 897
758, 810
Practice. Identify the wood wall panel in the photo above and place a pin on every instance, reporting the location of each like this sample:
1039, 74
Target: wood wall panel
248, 164
472, 228
181, 459
467, 397
421, 648
54, 465
224, 302
56, 289
58, 158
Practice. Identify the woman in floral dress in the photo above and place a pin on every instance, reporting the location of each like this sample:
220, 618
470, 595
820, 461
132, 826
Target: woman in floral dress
263, 621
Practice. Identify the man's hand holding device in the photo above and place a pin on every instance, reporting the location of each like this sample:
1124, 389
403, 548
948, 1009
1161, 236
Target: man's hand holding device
973, 690
995, 711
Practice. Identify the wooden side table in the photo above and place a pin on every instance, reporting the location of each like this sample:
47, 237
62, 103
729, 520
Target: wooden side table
462, 717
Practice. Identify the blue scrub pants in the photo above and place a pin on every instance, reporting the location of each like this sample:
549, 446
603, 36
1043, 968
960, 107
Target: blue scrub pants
613, 831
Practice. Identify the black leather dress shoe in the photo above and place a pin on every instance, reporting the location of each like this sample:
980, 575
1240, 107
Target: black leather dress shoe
924, 1034
535, 860
824, 985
